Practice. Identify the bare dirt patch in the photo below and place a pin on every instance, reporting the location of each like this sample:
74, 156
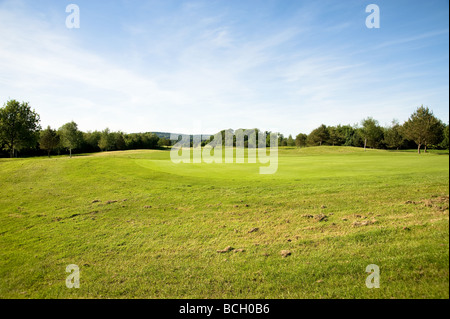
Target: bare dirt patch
321, 218
226, 250
363, 223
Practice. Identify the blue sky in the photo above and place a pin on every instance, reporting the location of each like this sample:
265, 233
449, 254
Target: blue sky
202, 66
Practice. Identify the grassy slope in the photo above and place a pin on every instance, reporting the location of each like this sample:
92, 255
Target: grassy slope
124, 250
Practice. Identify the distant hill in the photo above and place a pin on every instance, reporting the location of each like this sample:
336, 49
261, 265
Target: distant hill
166, 135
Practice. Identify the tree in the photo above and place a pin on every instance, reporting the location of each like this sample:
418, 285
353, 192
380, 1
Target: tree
435, 134
422, 127
300, 140
345, 135
119, 141
290, 141
71, 137
19, 126
90, 141
319, 135
107, 141
280, 139
150, 140
371, 132
49, 140
336, 135
445, 143
393, 135
164, 142
332, 133
268, 134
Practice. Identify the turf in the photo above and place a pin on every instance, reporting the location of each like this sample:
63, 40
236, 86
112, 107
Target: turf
157, 226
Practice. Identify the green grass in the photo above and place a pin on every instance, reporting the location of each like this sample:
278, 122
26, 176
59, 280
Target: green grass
128, 249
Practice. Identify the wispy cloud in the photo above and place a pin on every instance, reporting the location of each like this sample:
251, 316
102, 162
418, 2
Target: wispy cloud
415, 38
198, 64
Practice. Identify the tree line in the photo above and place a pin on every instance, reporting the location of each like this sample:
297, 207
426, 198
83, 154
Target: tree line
21, 133
422, 130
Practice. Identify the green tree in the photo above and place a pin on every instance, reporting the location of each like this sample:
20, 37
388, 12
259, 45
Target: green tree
164, 142
90, 141
445, 142
107, 141
336, 135
423, 128
300, 140
371, 132
319, 136
71, 137
268, 134
280, 139
150, 140
357, 139
19, 126
345, 134
49, 140
119, 141
435, 135
290, 141
393, 135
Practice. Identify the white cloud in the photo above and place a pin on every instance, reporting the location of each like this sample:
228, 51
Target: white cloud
208, 71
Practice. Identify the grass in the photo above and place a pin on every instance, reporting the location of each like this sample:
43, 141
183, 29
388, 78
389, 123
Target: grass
160, 237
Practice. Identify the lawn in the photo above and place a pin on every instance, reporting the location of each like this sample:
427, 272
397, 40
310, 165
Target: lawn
140, 226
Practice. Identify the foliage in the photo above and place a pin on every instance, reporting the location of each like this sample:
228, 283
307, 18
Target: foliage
19, 130
49, 140
318, 136
423, 128
290, 141
393, 136
164, 142
107, 140
371, 132
71, 137
300, 140
445, 143
19, 126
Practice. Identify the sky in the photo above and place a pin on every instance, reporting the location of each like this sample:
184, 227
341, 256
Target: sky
202, 66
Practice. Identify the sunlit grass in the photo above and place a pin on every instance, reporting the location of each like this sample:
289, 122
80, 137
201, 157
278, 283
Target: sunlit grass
159, 234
